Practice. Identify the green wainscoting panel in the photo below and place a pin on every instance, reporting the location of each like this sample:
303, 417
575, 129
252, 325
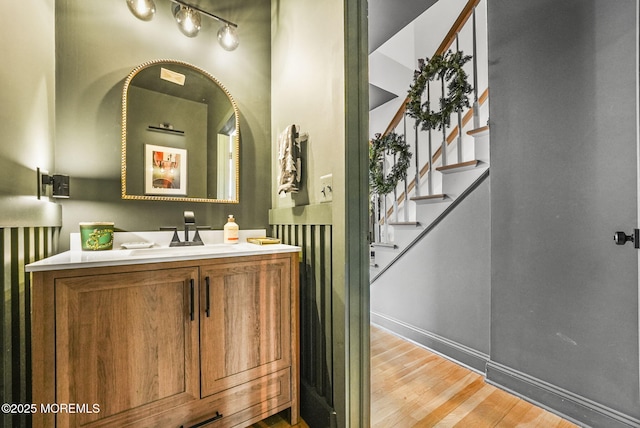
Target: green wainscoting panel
316, 319
19, 246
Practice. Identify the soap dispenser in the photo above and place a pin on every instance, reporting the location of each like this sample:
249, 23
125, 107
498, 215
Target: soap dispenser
231, 231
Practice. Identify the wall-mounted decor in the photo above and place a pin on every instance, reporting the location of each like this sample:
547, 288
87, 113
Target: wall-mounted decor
165, 170
289, 160
449, 68
379, 147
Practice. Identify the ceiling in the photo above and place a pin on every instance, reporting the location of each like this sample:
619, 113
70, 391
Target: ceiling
386, 18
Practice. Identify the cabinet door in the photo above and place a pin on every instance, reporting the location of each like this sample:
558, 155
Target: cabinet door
127, 342
246, 333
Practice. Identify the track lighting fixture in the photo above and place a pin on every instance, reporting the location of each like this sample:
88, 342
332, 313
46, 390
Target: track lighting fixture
188, 18
142, 9
228, 37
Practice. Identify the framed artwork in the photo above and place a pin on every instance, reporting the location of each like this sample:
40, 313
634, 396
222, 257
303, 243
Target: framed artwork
165, 170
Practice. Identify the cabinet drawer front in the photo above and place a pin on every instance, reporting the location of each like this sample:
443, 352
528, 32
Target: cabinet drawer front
235, 407
125, 342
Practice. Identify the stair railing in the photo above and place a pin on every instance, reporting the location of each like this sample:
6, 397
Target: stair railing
381, 212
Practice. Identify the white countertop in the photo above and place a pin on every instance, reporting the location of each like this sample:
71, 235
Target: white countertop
159, 251
84, 259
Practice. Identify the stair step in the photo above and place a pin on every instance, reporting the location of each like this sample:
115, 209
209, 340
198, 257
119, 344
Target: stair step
383, 256
431, 199
384, 245
481, 138
479, 132
404, 223
457, 167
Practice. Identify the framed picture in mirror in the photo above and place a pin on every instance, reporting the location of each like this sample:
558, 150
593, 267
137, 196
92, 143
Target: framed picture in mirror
165, 170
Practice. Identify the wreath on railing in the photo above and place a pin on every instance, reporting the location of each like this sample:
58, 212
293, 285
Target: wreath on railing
448, 67
380, 146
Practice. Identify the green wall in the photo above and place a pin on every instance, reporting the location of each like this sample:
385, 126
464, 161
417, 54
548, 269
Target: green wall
28, 226
319, 83
190, 117
97, 45
27, 85
62, 109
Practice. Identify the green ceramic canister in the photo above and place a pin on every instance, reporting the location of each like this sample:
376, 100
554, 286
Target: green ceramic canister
96, 236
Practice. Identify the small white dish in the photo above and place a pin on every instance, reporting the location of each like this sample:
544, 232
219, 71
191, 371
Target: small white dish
134, 245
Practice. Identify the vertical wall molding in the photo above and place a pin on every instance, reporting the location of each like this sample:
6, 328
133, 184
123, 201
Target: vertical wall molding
19, 246
316, 325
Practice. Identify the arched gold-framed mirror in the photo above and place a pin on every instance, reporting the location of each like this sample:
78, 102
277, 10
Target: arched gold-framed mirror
180, 135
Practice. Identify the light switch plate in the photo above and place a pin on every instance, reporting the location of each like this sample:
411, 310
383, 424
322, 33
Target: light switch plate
326, 188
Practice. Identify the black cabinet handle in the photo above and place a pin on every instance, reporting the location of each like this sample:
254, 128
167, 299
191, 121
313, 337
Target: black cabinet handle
193, 295
207, 297
199, 424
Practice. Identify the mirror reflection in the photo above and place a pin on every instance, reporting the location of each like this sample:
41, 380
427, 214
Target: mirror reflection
180, 135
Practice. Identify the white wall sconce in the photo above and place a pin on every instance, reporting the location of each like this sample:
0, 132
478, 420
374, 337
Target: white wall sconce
59, 184
188, 18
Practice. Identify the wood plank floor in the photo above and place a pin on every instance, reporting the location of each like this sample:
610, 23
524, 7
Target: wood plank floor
413, 387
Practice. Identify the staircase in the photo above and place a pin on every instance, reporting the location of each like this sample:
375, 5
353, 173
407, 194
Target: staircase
447, 164
456, 181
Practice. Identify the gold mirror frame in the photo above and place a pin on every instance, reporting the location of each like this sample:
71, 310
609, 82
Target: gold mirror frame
123, 172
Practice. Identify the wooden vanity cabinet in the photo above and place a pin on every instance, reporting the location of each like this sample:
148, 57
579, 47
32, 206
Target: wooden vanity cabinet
179, 344
245, 327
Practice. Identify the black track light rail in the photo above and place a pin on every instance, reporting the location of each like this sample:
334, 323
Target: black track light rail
204, 12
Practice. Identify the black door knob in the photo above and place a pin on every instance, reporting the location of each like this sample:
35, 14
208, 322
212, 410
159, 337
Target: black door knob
621, 238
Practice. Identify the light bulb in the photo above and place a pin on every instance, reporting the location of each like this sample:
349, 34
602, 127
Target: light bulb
142, 9
188, 20
228, 37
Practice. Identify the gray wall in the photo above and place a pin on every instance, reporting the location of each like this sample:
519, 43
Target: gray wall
97, 45
564, 320
439, 293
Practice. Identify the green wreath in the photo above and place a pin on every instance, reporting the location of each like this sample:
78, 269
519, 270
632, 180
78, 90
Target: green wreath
450, 68
391, 143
